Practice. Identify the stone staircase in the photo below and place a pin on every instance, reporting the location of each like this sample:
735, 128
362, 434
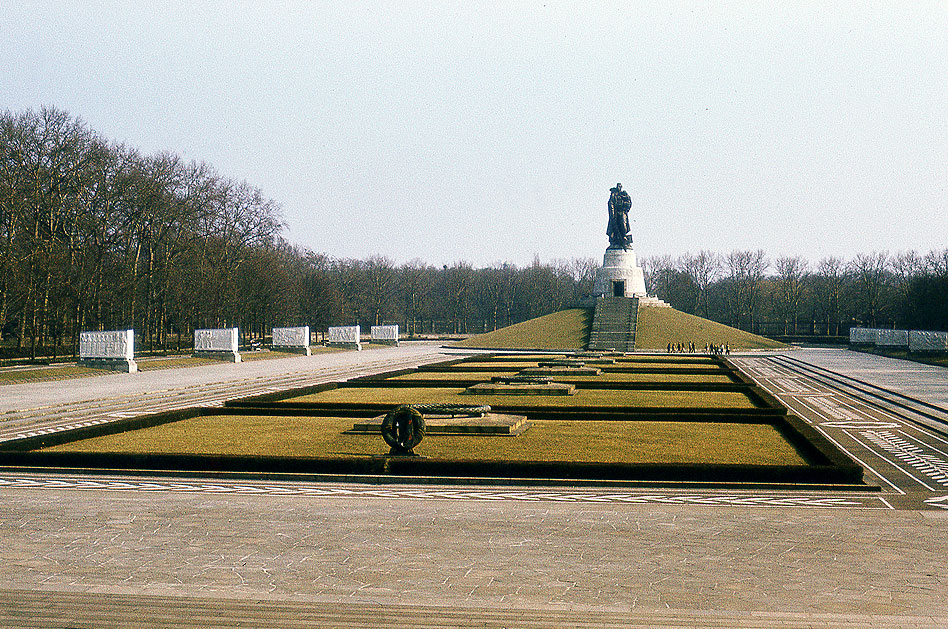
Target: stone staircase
613, 326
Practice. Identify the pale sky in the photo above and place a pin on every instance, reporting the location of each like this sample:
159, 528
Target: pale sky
492, 132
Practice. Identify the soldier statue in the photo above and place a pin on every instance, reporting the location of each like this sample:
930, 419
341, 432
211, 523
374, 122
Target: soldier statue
618, 230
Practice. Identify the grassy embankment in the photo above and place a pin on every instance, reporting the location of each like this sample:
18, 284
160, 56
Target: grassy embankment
657, 327
566, 329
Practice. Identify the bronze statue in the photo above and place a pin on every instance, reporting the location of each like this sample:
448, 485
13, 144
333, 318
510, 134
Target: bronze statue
618, 230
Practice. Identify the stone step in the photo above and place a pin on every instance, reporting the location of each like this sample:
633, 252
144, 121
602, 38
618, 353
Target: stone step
614, 322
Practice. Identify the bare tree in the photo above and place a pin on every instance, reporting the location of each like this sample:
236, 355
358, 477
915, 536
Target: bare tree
791, 273
745, 271
870, 277
416, 283
583, 272
659, 274
830, 282
459, 288
381, 279
907, 267
703, 269
936, 263
489, 290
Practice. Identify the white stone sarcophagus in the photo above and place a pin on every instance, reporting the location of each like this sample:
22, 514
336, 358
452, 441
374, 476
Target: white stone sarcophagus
892, 338
385, 334
295, 340
863, 336
345, 336
113, 350
220, 343
925, 341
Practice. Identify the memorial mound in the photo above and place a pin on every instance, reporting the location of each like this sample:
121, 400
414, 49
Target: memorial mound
566, 329
655, 329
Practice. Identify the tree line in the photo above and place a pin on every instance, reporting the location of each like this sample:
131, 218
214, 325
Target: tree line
790, 296
95, 235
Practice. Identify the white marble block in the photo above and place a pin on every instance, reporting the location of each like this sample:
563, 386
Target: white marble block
863, 336
114, 350
112, 344
892, 338
925, 341
345, 336
217, 343
385, 334
292, 339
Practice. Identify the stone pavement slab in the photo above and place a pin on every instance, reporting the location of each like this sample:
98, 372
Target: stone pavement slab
57, 609
925, 382
481, 554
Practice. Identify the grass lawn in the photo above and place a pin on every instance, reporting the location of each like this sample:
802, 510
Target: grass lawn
47, 374
602, 442
175, 362
605, 377
172, 362
497, 364
567, 329
19, 375
583, 397
66, 372
657, 327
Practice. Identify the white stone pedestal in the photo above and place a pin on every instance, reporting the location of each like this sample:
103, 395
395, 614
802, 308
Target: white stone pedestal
226, 356
619, 275
123, 365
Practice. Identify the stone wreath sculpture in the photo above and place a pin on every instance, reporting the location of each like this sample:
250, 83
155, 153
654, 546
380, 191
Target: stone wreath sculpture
404, 426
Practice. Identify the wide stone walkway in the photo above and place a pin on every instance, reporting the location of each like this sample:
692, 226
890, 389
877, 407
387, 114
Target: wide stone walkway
487, 554
927, 382
40, 408
17, 397
84, 551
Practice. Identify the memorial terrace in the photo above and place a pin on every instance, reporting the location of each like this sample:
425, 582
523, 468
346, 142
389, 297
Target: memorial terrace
628, 419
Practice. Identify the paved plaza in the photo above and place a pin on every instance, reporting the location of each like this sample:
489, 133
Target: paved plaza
925, 381
98, 551
35, 408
